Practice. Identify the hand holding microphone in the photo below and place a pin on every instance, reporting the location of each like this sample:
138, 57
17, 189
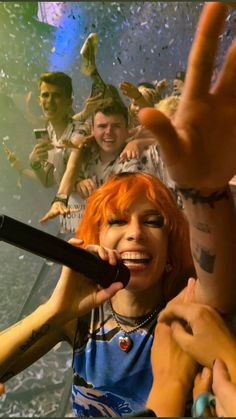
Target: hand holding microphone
45, 245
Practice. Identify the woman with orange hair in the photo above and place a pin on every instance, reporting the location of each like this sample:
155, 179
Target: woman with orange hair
134, 218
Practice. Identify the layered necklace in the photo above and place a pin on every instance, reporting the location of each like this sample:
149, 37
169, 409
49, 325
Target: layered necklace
125, 341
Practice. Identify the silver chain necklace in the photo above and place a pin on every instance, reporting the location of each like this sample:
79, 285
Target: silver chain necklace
125, 341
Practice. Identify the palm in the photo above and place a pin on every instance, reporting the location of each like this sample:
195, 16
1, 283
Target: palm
202, 134
205, 135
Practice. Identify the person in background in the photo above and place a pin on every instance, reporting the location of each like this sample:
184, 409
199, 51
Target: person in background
141, 96
88, 168
134, 217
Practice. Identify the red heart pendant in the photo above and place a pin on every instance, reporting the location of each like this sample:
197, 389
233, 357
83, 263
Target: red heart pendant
125, 343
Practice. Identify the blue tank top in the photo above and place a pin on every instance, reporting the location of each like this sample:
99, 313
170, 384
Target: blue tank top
108, 381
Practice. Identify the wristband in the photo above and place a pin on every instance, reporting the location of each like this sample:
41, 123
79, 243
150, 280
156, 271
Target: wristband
61, 198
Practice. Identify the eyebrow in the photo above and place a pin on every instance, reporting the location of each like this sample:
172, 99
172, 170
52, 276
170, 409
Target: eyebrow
152, 212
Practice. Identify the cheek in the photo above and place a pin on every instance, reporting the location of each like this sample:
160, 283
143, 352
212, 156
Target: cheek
109, 238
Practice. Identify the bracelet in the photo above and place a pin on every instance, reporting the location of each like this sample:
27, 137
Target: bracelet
61, 198
203, 401
196, 197
35, 165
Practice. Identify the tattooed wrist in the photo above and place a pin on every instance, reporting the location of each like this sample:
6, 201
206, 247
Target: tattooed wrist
36, 335
197, 196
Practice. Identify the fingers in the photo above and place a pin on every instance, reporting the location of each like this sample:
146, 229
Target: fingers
75, 242
170, 144
225, 83
112, 256
85, 188
58, 208
202, 382
107, 293
182, 336
203, 51
224, 390
129, 155
190, 291
40, 151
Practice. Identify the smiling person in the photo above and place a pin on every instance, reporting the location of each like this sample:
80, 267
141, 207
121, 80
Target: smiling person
134, 217
55, 98
89, 167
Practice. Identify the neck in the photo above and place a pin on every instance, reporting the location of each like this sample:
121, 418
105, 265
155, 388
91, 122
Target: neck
106, 158
59, 126
137, 304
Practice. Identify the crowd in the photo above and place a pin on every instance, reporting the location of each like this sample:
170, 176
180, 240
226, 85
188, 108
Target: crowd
154, 182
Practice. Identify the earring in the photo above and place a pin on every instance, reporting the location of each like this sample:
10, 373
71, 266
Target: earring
168, 267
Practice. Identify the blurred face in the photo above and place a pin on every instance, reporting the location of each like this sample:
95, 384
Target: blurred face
141, 238
54, 103
177, 87
110, 132
134, 108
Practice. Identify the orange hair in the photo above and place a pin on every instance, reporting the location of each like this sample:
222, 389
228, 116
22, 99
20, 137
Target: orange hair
116, 196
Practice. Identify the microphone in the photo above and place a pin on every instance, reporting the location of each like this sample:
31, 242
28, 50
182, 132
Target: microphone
50, 247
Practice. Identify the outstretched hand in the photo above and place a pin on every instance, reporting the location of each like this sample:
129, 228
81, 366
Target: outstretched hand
57, 208
199, 145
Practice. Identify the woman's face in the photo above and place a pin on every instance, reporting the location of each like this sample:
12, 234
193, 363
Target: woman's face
140, 236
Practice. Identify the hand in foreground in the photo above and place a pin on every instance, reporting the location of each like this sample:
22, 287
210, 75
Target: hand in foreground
173, 374
224, 390
199, 145
75, 294
201, 332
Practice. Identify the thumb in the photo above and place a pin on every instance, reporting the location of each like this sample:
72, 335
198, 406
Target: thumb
189, 295
162, 128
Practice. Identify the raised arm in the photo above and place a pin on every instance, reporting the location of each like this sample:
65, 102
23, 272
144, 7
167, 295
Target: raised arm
59, 204
198, 148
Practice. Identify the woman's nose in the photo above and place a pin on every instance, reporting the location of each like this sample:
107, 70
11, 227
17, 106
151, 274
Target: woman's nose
135, 231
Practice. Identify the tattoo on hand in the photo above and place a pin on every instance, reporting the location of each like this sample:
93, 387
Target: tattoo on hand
205, 258
36, 335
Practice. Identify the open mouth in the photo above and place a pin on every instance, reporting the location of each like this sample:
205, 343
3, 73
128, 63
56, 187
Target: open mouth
135, 258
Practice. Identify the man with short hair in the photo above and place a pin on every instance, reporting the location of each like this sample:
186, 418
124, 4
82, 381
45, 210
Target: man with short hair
55, 99
89, 167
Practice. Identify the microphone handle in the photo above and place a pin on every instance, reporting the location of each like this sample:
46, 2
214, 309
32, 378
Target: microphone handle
50, 247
